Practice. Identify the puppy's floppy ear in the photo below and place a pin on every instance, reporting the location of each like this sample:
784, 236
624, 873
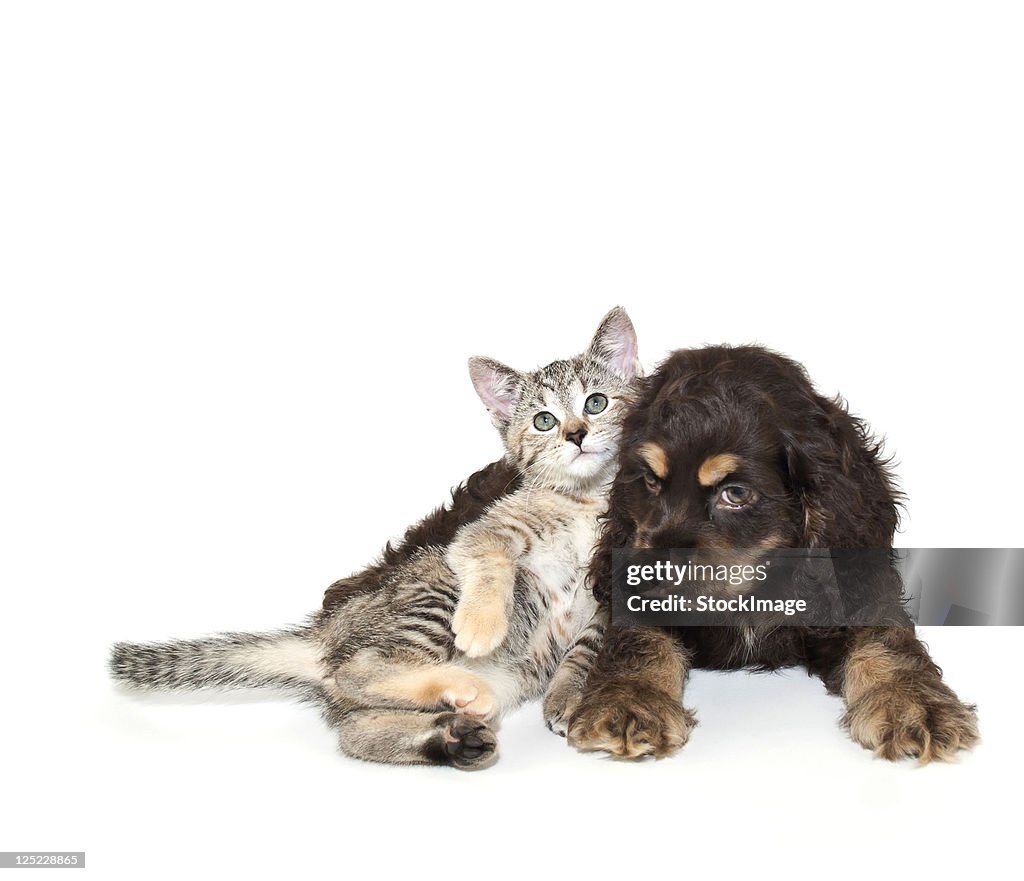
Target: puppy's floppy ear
837, 469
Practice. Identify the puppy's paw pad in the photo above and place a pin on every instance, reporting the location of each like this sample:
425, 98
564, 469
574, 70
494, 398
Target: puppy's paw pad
930, 725
630, 722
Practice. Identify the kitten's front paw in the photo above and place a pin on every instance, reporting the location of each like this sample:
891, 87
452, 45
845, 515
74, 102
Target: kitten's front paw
926, 721
560, 702
630, 721
479, 627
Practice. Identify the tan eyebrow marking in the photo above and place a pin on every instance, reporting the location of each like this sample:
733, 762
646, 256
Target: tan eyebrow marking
714, 468
655, 458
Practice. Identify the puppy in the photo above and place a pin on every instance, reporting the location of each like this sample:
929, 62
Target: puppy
733, 448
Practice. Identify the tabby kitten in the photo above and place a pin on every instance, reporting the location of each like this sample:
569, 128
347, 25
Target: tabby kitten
420, 667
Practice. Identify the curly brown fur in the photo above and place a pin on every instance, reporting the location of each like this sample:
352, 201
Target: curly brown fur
631, 706
714, 425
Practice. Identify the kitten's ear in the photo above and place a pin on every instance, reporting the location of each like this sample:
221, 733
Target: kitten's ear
614, 345
498, 387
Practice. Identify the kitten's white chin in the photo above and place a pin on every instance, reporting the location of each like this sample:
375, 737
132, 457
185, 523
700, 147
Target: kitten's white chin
589, 463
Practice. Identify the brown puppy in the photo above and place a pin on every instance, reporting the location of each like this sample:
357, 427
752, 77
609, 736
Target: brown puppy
732, 447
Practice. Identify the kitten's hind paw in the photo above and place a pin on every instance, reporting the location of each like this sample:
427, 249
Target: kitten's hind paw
474, 699
468, 744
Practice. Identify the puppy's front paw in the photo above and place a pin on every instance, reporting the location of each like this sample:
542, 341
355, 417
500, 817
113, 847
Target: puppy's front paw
925, 720
479, 626
630, 721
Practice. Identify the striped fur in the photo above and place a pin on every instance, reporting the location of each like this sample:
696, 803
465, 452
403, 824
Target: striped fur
421, 668
287, 659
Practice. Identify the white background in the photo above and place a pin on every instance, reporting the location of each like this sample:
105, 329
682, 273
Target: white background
246, 251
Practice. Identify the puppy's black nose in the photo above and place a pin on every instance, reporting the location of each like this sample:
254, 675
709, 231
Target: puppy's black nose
577, 436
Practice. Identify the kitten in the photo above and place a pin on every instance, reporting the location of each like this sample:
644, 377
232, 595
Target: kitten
419, 667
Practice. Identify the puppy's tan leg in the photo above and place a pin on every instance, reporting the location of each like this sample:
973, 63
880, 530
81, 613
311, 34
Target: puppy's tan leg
632, 703
897, 704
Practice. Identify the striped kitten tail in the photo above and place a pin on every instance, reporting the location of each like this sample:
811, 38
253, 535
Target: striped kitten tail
289, 659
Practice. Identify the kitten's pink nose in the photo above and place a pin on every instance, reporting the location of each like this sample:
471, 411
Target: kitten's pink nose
577, 436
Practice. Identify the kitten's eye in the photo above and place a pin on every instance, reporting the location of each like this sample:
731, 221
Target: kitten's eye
544, 421
596, 403
652, 482
736, 496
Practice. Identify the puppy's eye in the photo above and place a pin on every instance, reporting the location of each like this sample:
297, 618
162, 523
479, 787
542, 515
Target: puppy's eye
735, 496
652, 482
595, 403
544, 421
